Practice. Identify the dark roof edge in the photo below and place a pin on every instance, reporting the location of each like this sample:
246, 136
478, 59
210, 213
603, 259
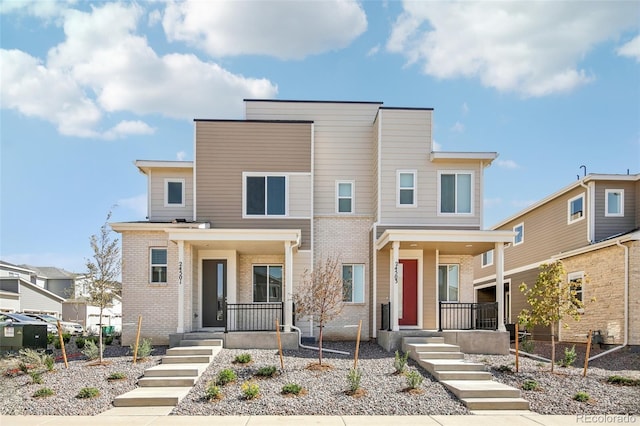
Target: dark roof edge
222, 120
312, 101
409, 108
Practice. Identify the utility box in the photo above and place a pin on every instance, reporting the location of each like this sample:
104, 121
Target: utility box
14, 337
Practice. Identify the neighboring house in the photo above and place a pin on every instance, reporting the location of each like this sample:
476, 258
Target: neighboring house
230, 234
19, 294
80, 311
56, 280
593, 226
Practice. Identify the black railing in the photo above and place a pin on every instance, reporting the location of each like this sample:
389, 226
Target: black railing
253, 316
468, 316
385, 316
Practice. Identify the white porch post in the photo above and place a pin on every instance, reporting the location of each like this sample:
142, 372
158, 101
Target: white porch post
499, 261
395, 286
180, 286
288, 286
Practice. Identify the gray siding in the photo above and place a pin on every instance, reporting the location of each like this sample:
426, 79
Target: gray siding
158, 212
226, 149
34, 299
61, 287
607, 226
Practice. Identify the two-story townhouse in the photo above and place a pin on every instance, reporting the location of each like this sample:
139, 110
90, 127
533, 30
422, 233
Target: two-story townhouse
592, 225
20, 293
293, 183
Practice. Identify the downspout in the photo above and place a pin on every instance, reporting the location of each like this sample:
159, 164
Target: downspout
335, 351
591, 212
626, 303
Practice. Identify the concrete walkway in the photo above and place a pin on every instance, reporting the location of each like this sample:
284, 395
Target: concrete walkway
486, 419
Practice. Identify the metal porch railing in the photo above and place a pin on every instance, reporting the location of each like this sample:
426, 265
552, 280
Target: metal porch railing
253, 316
468, 316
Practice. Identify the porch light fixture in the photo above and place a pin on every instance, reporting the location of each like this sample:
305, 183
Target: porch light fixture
469, 245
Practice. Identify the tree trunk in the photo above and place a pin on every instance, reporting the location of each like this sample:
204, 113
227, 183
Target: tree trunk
100, 335
553, 345
320, 345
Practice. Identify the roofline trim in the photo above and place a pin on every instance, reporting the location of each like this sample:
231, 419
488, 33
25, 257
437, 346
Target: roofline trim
311, 101
223, 120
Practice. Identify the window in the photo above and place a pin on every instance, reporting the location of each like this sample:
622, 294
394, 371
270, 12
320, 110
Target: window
614, 202
174, 193
267, 283
576, 208
448, 282
265, 195
159, 265
344, 191
576, 280
519, 230
455, 192
487, 258
353, 283
406, 188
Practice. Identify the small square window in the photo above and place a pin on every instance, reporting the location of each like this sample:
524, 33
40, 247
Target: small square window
614, 202
576, 208
519, 230
344, 197
487, 258
158, 266
174, 193
406, 196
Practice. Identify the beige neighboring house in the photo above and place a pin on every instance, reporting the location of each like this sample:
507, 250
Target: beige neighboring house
20, 292
593, 226
230, 234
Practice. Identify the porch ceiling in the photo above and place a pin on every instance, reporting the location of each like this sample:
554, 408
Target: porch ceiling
244, 241
447, 242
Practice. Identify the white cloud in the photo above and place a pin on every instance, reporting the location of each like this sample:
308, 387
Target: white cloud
374, 50
458, 127
38, 8
465, 108
507, 164
283, 29
103, 65
181, 155
630, 49
531, 48
136, 204
437, 146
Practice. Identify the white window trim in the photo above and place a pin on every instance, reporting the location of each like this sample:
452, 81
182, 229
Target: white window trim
166, 192
151, 265
578, 275
253, 284
364, 284
438, 283
521, 224
571, 200
456, 172
245, 175
338, 198
484, 265
606, 202
415, 188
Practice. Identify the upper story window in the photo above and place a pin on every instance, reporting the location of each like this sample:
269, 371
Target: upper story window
519, 230
267, 283
344, 202
614, 202
158, 265
576, 208
174, 192
487, 258
265, 195
353, 283
456, 195
406, 195
448, 282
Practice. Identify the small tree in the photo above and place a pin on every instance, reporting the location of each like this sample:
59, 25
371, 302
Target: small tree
551, 299
103, 270
321, 295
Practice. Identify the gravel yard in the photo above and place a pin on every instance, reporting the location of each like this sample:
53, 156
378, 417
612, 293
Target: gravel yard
385, 392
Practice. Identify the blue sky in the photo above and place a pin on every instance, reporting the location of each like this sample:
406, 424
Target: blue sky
88, 88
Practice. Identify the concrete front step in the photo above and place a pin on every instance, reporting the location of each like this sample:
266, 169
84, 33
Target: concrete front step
176, 370
201, 342
440, 355
166, 382
495, 403
480, 389
462, 375
187, 350
432, 347
151, 397
187, 359
434, 365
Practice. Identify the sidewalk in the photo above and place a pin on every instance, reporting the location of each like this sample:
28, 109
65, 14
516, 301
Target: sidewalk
492, 419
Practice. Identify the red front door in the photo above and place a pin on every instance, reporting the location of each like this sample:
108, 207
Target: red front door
409, 292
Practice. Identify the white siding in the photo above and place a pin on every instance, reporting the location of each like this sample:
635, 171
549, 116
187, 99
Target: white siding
157, 211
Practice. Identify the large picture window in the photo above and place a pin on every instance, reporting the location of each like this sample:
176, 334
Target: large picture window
267, 283
265, 195
456, 192
448, 282
353, 283
158, 265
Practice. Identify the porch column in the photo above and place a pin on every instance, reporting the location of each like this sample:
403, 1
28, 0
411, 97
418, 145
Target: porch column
288, 286
499, 262
180, 287
395, 286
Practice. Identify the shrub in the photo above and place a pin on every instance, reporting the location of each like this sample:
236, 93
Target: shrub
23, 367
250, 390
354, 377
400, 362
414, 379
80, 342
66, 338
49, 362
33, 359
226, 376
244, 358
43, 393
109, 340
88, 393
581, 396
36, 377
269, 371
291, 389
569, 357
51, 338
625, 381
117, 376
213, 391
504, 369
144, 348
530, 385
90, 350
56, 344
527, 345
